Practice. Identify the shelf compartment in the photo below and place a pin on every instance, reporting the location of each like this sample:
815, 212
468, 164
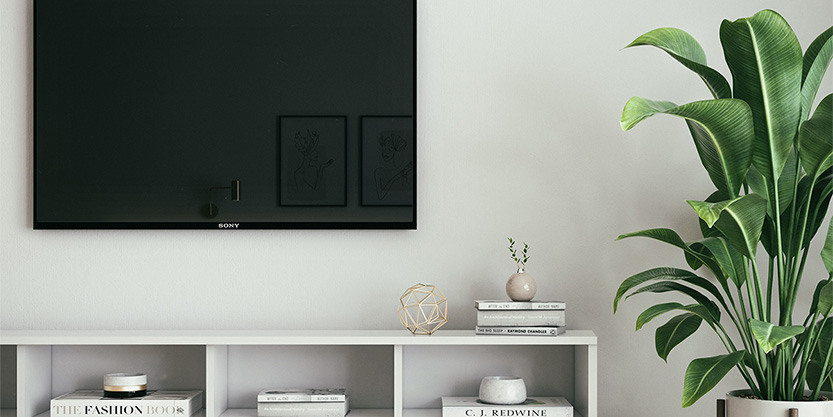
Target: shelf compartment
8, 379
366, 371
77, 367
432, 372
50, 371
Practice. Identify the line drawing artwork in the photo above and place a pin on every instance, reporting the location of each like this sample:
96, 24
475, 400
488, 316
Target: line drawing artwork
388, 172
310, 172
312, 164
392, 173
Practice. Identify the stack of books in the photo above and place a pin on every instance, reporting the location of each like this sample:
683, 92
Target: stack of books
155, 403
531, 318
313, 402
532, 407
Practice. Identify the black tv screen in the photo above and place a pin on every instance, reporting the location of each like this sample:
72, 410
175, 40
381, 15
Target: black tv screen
225, 114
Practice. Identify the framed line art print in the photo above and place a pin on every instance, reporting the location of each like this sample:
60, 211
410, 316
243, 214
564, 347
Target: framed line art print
387, 161
312, 165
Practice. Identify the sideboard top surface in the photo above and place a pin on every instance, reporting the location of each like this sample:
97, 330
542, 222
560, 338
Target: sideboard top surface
282, 337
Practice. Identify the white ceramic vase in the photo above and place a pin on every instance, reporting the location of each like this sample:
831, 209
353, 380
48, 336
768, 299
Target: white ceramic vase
503, 390
737, 406
521, 286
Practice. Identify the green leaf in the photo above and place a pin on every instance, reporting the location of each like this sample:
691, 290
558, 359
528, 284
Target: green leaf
740, 220
638, 109
749, 360
768, 238
814, 373
723, 134
662, 234
817, 294
786, 182
819, 203
714, 197
769, 335
671, 334
825, 299
816, 60
827, 250
741, 223
825, 340
815, 193
657, 310
709, 212
765, 59
663, 273
815, 140
820, 354
693, 257
694, 261
668, 286
704, 373
686, 50
786, 185
728, 259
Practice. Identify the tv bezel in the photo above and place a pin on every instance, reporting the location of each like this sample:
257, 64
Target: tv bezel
211, 224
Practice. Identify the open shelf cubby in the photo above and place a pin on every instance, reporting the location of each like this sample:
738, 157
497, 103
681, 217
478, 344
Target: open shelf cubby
388, 373
8, 380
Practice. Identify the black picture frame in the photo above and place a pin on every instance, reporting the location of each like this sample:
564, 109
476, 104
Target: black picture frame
388, 161
312, 161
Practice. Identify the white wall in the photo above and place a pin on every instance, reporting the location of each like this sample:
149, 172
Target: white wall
518, 106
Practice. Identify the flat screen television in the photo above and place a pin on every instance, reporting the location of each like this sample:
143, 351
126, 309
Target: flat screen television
240, 114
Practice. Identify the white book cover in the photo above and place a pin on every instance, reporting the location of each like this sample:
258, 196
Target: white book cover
521, 318
156, 403
304, 409
532, 407
302, 395
519, 305
520, 331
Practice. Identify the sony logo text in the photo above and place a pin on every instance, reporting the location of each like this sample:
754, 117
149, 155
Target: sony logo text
228, 225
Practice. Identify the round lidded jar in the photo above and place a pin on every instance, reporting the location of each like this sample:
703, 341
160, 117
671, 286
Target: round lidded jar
503, 390
124, 385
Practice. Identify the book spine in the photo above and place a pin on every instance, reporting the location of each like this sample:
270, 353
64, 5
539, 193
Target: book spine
121, 407
522, 318
520, 305
508, 411
299, 398
301, 409
522, 331
299, 413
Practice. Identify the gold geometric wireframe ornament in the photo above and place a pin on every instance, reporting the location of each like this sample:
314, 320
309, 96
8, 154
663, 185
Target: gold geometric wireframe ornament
423, 309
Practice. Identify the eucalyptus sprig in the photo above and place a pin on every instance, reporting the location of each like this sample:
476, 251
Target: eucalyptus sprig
520, 262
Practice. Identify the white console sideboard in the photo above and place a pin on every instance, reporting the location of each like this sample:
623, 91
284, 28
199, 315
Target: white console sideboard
388, 373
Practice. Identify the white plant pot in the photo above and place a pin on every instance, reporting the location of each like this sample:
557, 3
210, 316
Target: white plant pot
745, 407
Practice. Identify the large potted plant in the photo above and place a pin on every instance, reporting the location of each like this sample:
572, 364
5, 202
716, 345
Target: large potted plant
769, 156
